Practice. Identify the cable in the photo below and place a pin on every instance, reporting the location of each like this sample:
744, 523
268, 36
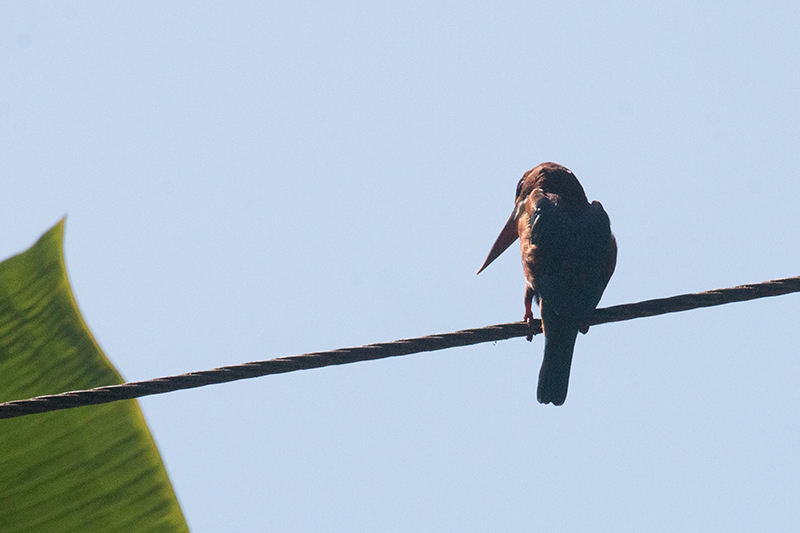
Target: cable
369, 352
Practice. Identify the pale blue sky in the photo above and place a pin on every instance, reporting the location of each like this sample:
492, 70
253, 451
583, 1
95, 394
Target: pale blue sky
245, 180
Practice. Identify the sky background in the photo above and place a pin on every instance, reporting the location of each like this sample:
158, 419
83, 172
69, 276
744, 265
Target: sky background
247, 180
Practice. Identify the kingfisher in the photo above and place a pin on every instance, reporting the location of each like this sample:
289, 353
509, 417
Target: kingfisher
568, 257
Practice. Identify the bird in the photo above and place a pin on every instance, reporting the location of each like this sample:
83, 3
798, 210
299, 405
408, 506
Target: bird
568, 257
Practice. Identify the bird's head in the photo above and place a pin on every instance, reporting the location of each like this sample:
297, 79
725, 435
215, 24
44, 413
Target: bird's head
550, 178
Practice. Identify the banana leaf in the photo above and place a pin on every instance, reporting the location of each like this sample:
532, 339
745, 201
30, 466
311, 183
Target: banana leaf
93, 468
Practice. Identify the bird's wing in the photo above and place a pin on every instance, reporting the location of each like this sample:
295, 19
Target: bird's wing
548, 220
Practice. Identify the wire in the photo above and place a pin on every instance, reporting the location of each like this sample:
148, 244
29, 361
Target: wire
369, 352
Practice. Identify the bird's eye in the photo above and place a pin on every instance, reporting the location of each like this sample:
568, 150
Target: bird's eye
519, 186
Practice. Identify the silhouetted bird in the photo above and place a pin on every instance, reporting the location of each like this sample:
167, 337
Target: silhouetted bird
568, 256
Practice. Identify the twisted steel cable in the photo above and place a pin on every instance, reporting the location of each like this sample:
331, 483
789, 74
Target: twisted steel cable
341, 356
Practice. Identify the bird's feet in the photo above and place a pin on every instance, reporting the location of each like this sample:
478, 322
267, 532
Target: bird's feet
530, 295
528, 318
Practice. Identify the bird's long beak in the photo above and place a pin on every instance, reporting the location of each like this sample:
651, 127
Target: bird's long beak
507, 236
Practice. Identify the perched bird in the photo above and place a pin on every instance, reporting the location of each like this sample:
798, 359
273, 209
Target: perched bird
568, 256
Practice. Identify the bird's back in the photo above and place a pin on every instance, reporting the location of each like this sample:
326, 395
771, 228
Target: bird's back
567, 262
570, 257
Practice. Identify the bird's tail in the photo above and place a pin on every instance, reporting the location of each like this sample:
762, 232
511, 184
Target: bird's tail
559, 342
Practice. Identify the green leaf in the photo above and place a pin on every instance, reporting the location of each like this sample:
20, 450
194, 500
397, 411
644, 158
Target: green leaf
92, 468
